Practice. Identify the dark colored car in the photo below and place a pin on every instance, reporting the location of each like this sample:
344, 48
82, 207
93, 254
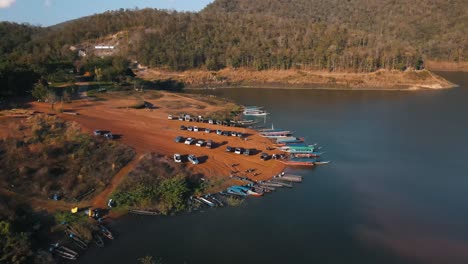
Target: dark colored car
209, 144
179, 139
247, 152
264, 156
183, 127
228, 149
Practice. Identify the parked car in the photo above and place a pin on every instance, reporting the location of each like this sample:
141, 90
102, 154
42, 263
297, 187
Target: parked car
179, 139
234, 134
239, 134
207, 130
219, 132
219, 122
228, 149
190, 128
109, 136
238, 151
226, 133
210, 121
209, 144
181, 118
264, 156
195, 128
169, 117
177, 158
189, 141
193, 159
98, 132
247, 152
183, 127
200, 143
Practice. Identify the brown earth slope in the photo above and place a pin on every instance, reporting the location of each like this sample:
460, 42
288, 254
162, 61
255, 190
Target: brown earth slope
379, 80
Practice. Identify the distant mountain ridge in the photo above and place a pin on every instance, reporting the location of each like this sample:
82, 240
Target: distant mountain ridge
351, 35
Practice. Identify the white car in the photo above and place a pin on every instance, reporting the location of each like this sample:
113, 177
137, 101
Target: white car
177, 158
169, 117
200, 143
219, 132
189, 141
207, 130
189, 128
193, 159
195, 128
238, 151
210, 121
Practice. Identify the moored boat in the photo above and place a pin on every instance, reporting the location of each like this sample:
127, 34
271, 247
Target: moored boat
207, 202
105, 232
98, 240
285, 140
235, 191
297, 163
289, 177
306, 155
322, 162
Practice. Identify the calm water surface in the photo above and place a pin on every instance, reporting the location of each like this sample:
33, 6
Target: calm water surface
396, 191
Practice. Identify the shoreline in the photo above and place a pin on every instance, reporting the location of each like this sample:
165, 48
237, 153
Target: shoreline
148, 131
409, 89
385, 80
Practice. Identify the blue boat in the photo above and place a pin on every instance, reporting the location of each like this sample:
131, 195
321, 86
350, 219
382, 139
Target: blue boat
236, 191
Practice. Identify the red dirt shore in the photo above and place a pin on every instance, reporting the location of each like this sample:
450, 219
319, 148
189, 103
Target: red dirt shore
151, 131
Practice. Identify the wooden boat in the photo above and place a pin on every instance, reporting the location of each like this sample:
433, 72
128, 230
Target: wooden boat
297, 163
105, 232
282, 183
270, 184
214, 199
289, 177
254, 112
254, 193
143, 212
77, 240
98, 240
306, 155
207, 202
276, 132
322, 162
276, 136
236, 192
301, 151
63, 252
297, 148
265, 187
286, 140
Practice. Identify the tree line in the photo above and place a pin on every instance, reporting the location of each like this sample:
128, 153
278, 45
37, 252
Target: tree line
354, 35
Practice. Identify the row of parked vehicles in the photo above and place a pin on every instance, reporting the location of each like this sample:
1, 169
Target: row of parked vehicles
239, 151
207, 131
199, 119
191, 141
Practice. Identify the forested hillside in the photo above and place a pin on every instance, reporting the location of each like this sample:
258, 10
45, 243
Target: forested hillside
336, 35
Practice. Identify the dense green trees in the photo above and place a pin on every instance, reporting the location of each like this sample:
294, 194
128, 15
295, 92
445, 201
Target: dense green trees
156, 183
15, 247
357, 35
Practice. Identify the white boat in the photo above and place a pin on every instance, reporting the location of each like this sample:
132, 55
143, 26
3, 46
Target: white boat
254, 112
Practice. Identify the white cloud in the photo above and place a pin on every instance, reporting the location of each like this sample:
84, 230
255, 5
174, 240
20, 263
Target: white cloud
6, 3
47, 3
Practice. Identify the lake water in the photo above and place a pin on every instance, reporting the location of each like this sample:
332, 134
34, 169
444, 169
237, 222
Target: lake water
395, 192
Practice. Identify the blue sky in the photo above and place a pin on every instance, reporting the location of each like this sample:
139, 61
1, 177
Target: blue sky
50, 12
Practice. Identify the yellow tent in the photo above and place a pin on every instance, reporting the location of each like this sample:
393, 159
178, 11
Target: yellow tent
74, 210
